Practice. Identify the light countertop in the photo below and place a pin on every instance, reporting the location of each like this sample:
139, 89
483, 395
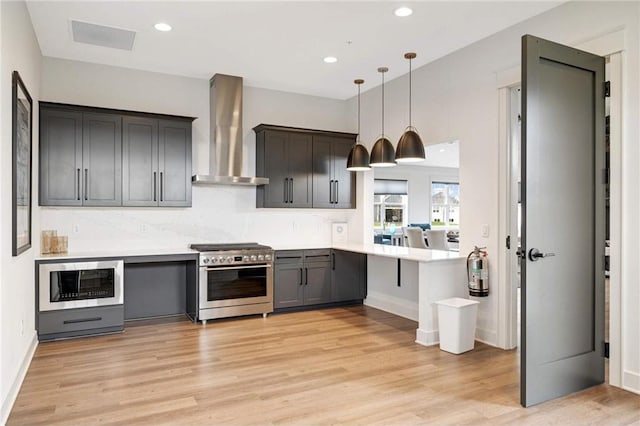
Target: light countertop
400, 252
118, 253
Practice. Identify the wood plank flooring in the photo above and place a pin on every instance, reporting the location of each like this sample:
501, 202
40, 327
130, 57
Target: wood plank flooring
353, 365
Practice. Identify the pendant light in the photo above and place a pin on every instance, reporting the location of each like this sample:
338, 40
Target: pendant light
410, 147
358, 159
382, 153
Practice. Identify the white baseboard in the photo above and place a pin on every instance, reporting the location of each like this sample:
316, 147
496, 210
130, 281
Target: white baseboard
7, 404
488, 337
427, 338
384, 302
631, 381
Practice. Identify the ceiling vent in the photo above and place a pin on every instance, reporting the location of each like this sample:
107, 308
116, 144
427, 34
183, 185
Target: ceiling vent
99, 35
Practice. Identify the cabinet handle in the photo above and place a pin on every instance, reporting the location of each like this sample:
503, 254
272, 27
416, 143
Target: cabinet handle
291, 190
399, 273
161, 186
86, 183
306, 276
337, 189
333, 261
301, 276
285, 195
331, 191
155, 186
75, 321
78, 184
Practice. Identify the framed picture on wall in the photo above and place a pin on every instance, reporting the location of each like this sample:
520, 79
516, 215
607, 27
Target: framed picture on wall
22, 113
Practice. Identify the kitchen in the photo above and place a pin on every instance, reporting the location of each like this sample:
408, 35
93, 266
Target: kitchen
229, 213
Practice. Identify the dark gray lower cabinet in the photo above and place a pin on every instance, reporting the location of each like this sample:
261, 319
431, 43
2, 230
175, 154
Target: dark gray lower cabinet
319, 276
301, 278
348, 275
154, 289
78, 322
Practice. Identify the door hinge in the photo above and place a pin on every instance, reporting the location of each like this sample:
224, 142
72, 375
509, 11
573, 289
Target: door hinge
607, 89
605, 349
508, 242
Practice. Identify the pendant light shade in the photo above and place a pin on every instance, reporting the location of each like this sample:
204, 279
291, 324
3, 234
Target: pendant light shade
382, 153
410, 147
358, 159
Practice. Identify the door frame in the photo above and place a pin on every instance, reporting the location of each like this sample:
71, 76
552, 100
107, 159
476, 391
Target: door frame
612, 47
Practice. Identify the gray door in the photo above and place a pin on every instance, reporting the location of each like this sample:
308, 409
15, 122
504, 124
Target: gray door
102, 159
562, 220
345, 188
276, 165
174, 163
300, 169
323, 183
139, 161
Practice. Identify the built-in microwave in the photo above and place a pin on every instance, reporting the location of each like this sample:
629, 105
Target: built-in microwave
80, 284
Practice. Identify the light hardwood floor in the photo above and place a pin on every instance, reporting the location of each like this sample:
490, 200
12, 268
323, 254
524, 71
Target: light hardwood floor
353, 365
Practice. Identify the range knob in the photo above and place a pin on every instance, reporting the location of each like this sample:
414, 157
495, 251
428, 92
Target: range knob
214, 260
260, 257
267, 257
253, 258
205, 260
221, 259
229, 259
245, 258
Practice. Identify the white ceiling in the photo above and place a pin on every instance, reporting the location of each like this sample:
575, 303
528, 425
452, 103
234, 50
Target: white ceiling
278, 45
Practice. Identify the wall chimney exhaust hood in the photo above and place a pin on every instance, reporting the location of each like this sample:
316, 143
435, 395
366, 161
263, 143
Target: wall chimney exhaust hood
225, 148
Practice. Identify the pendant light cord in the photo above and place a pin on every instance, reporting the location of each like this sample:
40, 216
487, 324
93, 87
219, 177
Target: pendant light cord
410, 92
358, 113
382, 104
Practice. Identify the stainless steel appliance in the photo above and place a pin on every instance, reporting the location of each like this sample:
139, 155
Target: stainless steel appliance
80, 284
234, 279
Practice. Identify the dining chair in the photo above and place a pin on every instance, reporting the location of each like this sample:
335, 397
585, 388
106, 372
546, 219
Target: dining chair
437, 239
415, 238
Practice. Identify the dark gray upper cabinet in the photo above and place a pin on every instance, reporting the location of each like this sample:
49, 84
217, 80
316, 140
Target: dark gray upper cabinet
60, 158
348, 275
306, 168
101, 157
285, 158
140, 161
333, 184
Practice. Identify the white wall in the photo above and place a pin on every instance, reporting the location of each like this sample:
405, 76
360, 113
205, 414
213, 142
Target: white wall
19, 51
219, 213
456, 97
419, 180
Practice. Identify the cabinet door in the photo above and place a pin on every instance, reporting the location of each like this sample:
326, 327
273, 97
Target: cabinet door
345, 181
300, 169
276, 168
323, 183
102, 159
348, 275
60, 158
174, 163
317, 283
288, 285
139, 161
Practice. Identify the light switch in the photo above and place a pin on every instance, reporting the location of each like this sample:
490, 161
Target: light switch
485, 230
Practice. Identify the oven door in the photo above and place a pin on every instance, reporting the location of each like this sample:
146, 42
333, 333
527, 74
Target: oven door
80, 284
235, 285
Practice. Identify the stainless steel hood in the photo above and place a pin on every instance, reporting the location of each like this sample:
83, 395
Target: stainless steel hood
225, 149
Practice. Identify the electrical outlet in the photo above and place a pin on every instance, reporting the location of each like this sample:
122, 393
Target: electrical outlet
143, 228
485, 230
75, 228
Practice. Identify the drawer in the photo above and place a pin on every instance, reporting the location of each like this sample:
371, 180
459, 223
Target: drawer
71, 320
288, 256
317, 255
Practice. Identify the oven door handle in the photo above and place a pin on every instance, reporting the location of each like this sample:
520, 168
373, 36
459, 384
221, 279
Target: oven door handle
227, 268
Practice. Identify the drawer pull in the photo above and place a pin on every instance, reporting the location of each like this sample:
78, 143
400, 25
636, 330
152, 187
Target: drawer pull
75, 321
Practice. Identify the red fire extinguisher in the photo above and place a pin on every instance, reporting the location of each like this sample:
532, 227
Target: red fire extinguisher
478, 272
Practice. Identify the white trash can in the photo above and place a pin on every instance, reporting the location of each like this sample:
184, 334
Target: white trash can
457, 324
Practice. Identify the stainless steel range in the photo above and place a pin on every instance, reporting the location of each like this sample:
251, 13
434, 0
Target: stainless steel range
234, 279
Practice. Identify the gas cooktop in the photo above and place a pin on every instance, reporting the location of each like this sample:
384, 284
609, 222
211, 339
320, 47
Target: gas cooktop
229, 247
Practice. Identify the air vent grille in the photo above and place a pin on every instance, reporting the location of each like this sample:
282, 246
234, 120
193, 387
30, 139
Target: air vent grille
100, 35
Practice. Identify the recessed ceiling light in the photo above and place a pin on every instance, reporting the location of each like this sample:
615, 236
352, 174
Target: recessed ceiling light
442, 150
403, 11
161, 26
330, 59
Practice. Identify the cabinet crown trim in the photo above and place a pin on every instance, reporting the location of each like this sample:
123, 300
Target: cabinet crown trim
263, 127
87, 108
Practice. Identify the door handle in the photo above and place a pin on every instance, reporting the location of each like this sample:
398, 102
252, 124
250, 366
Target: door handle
86, 183
306, 276
333, 261
285, 193
161, 186
535, 254
331, 192
291, 190
301, 276
337, 189
78, 184
155, 186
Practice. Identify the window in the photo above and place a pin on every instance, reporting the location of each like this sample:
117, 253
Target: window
390, 204
445, 204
